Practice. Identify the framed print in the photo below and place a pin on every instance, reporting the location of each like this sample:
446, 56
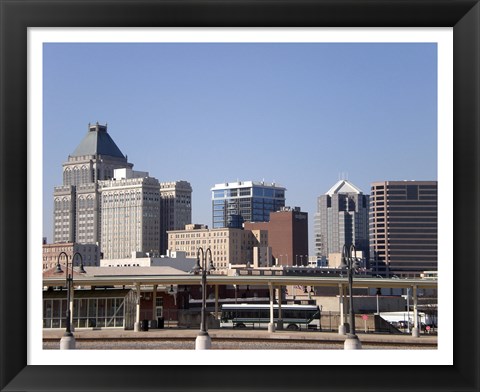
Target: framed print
278, 373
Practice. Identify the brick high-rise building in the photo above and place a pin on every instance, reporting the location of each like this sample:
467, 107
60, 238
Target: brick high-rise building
403, 227
287, 235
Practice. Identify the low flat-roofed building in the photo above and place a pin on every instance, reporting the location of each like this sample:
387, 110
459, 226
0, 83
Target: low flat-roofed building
90, 254
228, 246
113, 306
177, 260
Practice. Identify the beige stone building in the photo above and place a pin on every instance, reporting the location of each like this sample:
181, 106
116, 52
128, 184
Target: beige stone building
175, 209
130, 205
76, 214
90, 254
228, 246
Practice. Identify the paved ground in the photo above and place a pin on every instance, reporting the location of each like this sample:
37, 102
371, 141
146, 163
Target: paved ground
174, 339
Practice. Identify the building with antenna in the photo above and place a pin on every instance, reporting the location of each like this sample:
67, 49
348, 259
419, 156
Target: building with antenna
341, 219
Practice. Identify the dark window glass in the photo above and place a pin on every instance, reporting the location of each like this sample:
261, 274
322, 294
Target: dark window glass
268, 192
412, 192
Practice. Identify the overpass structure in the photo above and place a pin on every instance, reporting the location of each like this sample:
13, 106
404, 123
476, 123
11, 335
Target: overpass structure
274, 280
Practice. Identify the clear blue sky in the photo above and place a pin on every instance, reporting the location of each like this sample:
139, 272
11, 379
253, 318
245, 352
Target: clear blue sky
297, 114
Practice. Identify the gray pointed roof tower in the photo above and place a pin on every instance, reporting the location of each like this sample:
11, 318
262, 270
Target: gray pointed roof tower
343, 186
97, 142
94, 159
341, 219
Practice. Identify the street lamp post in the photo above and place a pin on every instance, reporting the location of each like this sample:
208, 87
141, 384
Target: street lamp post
350, 262
203, 341
67, 342
379, 292
408, 310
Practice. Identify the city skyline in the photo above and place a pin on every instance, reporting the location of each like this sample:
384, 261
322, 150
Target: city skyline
300, 115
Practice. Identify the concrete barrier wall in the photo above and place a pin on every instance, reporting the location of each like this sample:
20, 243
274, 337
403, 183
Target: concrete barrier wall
364, 304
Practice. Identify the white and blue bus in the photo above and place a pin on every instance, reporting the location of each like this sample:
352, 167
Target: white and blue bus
294, 317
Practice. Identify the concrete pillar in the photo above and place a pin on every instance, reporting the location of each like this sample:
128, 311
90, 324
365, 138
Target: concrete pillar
280, 320
71, 217
67, 343
203, 341
137, 310
415, 330
271, 324
154, 321
341, 328
352, 343
96, 201
217, 313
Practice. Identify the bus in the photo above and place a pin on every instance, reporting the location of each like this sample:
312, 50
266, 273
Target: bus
430, 275
294, 317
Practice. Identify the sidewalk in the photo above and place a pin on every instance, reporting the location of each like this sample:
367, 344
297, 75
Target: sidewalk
176, 333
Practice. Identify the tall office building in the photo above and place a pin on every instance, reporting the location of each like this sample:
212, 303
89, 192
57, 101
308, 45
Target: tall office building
287, 235
76, 212
130, 205
175, 209
238, 202
341, 219
403, 227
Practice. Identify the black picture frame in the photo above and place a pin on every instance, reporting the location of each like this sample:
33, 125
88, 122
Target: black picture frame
18, 15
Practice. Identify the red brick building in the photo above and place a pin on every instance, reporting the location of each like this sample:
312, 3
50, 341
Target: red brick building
287, 235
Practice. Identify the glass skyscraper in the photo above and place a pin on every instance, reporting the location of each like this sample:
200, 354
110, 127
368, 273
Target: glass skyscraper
245, 201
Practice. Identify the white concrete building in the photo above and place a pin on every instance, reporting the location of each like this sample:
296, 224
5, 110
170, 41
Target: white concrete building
130, 205
177, 260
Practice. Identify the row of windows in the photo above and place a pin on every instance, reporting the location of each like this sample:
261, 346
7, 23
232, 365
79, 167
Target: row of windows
243, 192
206, 234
